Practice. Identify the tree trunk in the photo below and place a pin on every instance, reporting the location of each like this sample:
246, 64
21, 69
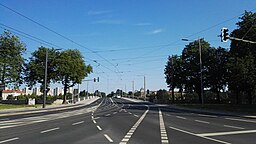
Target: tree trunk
250, 97
181, 96
172, 94
65, 93
218, 96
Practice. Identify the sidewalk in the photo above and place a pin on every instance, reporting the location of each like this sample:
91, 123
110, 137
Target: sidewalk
29, 110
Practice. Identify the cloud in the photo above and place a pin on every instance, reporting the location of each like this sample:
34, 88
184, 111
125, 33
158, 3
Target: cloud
156, 31
143, 24
107, 21
99, 12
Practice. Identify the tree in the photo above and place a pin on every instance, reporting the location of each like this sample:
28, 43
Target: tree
217, 75
243, 58
35, 68
11, 60
191, 66
71, 69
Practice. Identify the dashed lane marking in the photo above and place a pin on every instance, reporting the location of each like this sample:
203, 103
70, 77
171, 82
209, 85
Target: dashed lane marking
107, 115
243, 120
131, 131
49, 130
233, 127
180, 117
77, 123
94, 121
205, 122
96, 118
198, 135
207, 115
164, 137
108, 138
8, 140
99, 128
135, 115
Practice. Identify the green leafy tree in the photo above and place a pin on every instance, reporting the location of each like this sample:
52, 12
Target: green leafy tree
243, 58
191, 66
35, 68
71, 69
217, 75
11, 60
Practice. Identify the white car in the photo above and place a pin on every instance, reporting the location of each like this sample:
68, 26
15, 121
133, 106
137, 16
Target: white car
118, 96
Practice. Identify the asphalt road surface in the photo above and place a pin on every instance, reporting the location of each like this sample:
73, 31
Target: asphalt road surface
111, 120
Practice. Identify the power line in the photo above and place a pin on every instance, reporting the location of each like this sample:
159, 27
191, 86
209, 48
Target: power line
47, 28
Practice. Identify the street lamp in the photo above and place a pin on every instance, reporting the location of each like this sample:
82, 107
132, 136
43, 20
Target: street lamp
200, 63
144, 81
45, 76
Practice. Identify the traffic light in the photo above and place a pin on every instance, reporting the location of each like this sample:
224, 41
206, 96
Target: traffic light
224, 35
98, 79
94, 79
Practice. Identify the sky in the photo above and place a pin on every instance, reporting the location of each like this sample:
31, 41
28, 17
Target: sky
123, 40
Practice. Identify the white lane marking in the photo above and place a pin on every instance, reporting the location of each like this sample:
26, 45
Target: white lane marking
96, 118
207, 115
78, 123
8, 140
114, 112
108, 138
131, 131
135, 115
49, 130
111, 100
180, 117
164, 137
129, 113
4, 119
219, 141
243, 120
92, 117
202, 121
107, 115
168, 115
227, 133
94, 121
99, 128
233, 127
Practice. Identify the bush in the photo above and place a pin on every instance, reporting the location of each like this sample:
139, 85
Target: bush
10, 97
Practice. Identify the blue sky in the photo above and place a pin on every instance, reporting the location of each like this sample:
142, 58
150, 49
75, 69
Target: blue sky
134, 37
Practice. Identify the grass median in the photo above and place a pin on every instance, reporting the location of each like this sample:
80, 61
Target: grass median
11, 106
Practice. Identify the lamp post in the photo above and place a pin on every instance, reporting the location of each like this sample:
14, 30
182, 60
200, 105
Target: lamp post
144, 83
200, 64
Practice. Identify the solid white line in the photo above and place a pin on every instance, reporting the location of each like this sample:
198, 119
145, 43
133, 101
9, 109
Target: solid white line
111, 100
202, 121
49, 130
78, 123
99, 128
243, 120
181, 117
233, 127
223, 142
8, 140
108, 138
228, 133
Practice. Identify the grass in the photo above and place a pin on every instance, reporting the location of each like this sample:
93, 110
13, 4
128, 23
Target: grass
248, 109
11, 106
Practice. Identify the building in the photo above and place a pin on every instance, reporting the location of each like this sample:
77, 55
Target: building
36, 91
14, 93
57, 91
27, 91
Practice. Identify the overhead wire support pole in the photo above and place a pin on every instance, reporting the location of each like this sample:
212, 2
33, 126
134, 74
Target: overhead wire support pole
45, 78
201, 75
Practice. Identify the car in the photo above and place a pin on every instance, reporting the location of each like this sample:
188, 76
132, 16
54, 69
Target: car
118, 96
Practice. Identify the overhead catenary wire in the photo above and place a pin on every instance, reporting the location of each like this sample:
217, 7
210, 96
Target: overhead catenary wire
53, 31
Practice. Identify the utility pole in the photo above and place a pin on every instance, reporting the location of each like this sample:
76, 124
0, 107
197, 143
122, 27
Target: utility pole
201, 75
145, 94
45, 77
87, 89
133, 88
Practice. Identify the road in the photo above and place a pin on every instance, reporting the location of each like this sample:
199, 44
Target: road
111, 120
